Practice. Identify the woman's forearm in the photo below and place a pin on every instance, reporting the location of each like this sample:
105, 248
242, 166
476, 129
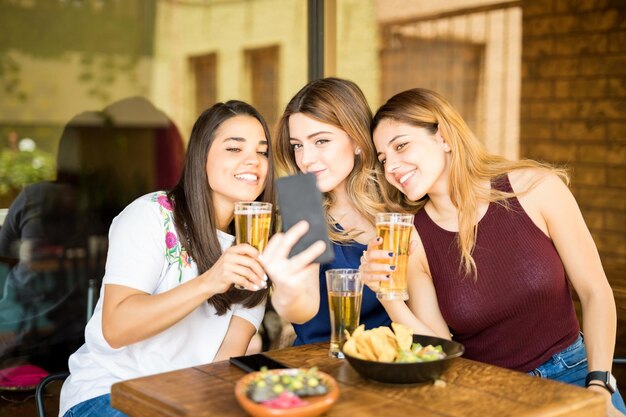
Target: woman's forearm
399, 312
297, 298
296, 293
599, 327
130, 316
296, 305
238, 336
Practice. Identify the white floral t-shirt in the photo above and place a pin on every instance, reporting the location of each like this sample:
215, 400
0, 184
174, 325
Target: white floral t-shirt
145, 254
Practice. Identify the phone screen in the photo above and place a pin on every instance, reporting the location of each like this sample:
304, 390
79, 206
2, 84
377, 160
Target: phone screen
252, 363
300, 199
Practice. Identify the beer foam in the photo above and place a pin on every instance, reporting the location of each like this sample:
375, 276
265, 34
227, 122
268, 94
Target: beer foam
251, 210
394, 224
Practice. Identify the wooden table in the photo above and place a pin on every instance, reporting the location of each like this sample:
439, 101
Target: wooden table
472, 389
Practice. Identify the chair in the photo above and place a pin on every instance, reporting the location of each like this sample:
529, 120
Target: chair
97, 255
40, 391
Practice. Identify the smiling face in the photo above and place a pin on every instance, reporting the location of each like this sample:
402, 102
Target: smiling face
321, 149
415, 160
237, 161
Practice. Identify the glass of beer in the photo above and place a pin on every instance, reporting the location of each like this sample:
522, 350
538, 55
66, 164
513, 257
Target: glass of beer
345, 292
395, 231
252, 224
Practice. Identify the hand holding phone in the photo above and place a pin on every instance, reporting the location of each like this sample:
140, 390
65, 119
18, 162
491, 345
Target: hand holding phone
300, 199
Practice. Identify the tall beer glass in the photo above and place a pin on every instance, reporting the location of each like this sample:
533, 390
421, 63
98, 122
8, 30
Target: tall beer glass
395, 230
252, 224
345, 292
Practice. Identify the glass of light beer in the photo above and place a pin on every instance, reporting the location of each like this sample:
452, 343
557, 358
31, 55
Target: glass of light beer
252, 224
345, 292
395, 231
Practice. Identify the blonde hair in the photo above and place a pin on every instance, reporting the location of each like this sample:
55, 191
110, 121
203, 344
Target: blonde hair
342, 104
470, 164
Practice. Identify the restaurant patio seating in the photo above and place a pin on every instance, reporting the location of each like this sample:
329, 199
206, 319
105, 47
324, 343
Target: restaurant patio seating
40, 391
97, 254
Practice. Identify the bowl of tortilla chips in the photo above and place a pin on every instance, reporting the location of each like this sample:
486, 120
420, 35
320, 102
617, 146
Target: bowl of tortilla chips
398, 356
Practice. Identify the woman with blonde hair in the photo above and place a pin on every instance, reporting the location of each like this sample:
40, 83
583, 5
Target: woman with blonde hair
498, 240
324, 130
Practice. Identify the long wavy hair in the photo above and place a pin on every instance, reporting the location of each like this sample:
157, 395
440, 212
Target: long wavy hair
193, 206
470, 164
342, 104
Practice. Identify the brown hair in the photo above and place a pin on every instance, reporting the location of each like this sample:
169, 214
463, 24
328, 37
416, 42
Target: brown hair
340, 103
193, 206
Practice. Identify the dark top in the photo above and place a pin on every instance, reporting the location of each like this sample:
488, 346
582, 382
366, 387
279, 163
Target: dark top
373, 313
45, 292
44, 212
519, 310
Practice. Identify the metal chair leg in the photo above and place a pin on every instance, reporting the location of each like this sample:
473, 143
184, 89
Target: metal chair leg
40, 391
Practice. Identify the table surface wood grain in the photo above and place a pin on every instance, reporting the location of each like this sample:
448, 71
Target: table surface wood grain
471, 389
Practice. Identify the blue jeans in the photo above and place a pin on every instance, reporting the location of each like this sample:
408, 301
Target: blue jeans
570, 366
95, 407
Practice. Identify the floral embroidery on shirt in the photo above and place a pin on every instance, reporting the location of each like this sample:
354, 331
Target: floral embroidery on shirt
170, 240
175, 253
165, 202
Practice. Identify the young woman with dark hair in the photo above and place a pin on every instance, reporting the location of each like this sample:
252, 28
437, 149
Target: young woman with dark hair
168, 295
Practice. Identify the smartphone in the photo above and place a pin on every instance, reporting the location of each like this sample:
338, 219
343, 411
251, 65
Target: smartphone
252, 363
300, 199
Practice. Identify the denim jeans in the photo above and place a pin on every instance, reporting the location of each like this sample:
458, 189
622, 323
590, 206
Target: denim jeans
570, 366
95, 407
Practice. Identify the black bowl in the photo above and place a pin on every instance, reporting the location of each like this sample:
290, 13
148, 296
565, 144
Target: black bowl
409, 373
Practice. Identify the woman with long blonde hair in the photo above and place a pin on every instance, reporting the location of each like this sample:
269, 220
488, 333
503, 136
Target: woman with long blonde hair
497, 242
324, 130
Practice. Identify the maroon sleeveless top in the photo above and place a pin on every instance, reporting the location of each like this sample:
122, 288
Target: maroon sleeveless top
519, 311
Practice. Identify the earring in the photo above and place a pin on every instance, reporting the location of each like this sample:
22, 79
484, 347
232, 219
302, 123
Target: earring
357, 151
446, 147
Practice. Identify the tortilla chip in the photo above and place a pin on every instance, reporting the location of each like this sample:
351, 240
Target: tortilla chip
383, 331
365, 347
390, 351
378, 340
349, 348
379, 344
404, 335
359, 330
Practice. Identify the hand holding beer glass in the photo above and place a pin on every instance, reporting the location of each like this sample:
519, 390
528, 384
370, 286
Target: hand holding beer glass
395, 231
345, 292
252, 224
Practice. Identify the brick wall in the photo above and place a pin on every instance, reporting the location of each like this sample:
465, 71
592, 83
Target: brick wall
573, 111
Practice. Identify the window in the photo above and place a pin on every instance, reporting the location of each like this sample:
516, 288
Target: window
263, 75
204, 75
97, 100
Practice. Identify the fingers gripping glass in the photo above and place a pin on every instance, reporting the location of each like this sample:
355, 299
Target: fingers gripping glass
395, 231
252, 225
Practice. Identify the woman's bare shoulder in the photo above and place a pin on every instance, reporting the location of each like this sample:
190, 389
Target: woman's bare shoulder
529, 179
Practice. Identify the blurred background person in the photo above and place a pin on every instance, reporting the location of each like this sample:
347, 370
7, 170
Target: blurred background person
54, 237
